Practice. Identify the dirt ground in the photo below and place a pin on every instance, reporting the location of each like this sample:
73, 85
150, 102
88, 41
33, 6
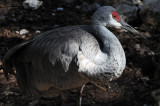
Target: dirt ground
133, 88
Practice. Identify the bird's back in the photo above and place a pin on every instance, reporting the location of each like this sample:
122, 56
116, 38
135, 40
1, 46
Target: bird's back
47, 64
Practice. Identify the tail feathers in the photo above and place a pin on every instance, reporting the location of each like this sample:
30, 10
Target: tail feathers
8, 68
10, 59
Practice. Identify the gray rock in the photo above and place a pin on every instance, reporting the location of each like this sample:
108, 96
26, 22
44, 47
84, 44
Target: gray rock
38, 31
77, 7
23, 31
128, 9
139, 2
150, 14
60, 9
32, 4
53, 14
85, 7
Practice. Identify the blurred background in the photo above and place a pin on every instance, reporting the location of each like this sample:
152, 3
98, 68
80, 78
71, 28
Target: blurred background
138, 86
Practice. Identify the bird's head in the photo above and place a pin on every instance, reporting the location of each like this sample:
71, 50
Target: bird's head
108, 17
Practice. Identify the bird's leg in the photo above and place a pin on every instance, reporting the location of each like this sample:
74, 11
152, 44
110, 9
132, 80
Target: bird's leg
80, 97
98, 86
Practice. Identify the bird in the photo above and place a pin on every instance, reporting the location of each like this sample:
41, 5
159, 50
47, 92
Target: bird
66, 58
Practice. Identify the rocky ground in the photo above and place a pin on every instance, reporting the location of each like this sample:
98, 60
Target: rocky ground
134, 88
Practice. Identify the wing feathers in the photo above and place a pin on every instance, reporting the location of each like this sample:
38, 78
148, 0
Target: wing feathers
93, 71
65, 60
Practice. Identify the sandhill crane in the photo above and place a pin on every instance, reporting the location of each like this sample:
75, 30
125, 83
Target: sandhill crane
69, 57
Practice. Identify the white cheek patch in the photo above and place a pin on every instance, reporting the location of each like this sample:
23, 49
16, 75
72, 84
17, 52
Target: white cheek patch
114, 23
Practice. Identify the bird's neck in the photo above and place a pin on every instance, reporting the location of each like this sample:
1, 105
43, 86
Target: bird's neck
112, 49
108, 39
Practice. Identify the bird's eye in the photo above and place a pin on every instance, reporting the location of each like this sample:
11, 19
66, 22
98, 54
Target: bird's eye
115, 16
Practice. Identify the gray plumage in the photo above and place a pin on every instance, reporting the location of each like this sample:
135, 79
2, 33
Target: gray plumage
68, 57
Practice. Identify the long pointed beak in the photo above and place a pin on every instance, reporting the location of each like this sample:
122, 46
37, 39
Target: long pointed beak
131, 29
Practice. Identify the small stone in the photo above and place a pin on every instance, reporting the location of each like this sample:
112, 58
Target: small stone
151, 53
78, 7
56, 25
138, 47
38, 32
23, 36
147, 34
137, 2
17, 32
7, 93
23, 31
146, 78
32, 4
53, 14
60, 9
14, 19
